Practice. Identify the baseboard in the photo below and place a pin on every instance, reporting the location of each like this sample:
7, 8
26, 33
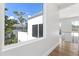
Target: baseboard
50, 50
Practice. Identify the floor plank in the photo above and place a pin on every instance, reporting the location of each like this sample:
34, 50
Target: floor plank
66, 49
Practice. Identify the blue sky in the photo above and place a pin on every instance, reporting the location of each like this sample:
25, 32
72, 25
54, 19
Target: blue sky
28, 8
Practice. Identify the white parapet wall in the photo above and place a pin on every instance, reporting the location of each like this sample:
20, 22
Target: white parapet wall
2, 13
22, 36
33, 21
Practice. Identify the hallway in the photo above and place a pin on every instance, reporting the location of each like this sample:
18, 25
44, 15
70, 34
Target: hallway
66, 49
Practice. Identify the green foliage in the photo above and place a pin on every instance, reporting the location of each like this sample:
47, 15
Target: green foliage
9, 25
20, 16
11, 40
8, 30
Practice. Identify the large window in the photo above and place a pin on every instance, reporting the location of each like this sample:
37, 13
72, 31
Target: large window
40, 30
75, 26
19, 22
37, 30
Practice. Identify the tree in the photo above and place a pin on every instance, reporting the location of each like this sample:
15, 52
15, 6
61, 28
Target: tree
6, 9
20, 16
9, 36
9, 25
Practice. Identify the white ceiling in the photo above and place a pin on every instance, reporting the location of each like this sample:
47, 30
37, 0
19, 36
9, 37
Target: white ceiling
64, 5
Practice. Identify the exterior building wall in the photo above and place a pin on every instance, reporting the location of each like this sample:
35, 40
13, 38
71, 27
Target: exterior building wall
51, 36
33, 21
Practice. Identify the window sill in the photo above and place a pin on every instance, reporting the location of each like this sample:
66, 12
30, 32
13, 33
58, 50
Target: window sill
12, 46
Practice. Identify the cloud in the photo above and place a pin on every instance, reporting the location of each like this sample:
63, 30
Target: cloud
11, 17
29, 16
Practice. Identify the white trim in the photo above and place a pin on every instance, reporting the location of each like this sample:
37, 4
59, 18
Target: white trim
50, 50
38, 30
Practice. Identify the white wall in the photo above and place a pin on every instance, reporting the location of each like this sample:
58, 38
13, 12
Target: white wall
51, 39
67, 15
67, 23
33, 21
22, 36
1, 25
26, 36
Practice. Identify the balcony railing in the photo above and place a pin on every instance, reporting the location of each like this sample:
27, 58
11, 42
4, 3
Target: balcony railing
72, 37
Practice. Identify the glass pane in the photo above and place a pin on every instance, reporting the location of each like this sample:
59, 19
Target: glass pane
40, 30
19, 21
35, 30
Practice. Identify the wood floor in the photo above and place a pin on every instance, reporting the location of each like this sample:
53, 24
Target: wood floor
66, 49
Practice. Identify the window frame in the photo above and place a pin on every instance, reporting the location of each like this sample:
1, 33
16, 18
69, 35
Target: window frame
12, 46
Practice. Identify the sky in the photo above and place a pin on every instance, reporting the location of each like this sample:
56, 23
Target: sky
29, 8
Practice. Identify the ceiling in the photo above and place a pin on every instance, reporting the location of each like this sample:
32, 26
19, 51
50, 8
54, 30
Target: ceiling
64, 5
